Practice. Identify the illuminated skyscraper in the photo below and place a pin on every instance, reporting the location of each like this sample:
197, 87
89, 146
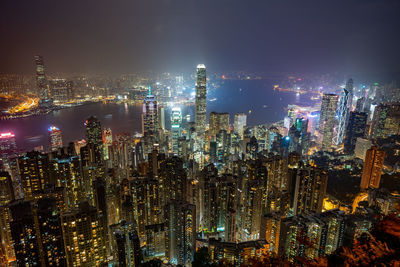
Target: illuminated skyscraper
218, 122
327, 119
150, 122
176, 128
94, 136
201, 100
373, 165
6, 196
127, 245
8, 147
84, 236
355, 128
24, 234
107, 141
61, 90
180, 220
309, 185
386, 120
34, 171
240, 124
55, 138
41, 81
345, 107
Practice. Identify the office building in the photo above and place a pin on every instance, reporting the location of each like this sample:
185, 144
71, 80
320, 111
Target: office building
201, 100
345, 106
386, 120
8, 147
55, 138
94, 137
218, 122
150, 122
61, 90
41, 81
327, 119
355, 129
176, 129
240, 121
372, 170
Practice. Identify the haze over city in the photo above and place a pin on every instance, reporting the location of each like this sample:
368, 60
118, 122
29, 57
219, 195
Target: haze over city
358, 36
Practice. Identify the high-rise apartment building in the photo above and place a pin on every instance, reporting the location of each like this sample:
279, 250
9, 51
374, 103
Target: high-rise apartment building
180, 220
84, 236
372, 170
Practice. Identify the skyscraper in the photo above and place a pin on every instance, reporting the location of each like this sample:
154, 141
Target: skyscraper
201, 100
355, 128
34, 171
176, 128
150, 122
6, 196
8, 147
373, 165
61, 90
55, 138
218, 122
240, 124
94, 136
309, 188
345, 107
180, 220
327, 119
41, 81
386, 120
84, 236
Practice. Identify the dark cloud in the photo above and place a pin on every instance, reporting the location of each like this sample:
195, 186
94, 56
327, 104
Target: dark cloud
130, 35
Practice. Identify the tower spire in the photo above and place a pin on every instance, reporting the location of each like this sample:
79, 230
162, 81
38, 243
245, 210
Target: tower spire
149, 89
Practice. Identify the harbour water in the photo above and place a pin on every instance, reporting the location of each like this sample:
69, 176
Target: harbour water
256, 98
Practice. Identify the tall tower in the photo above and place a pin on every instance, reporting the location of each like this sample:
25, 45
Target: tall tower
201, 100
150, 121
55, 138
345, 106
176, 121
94, 136
327, 119
41, 81
372, 170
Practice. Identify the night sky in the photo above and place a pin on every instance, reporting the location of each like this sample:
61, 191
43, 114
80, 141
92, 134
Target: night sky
344, 36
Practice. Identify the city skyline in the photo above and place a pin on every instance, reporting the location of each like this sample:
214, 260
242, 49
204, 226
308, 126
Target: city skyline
185, 133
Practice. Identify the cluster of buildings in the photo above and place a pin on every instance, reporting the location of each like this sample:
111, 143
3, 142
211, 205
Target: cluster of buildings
123, 199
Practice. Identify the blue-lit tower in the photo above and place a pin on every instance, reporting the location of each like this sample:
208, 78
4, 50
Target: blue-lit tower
345, 104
